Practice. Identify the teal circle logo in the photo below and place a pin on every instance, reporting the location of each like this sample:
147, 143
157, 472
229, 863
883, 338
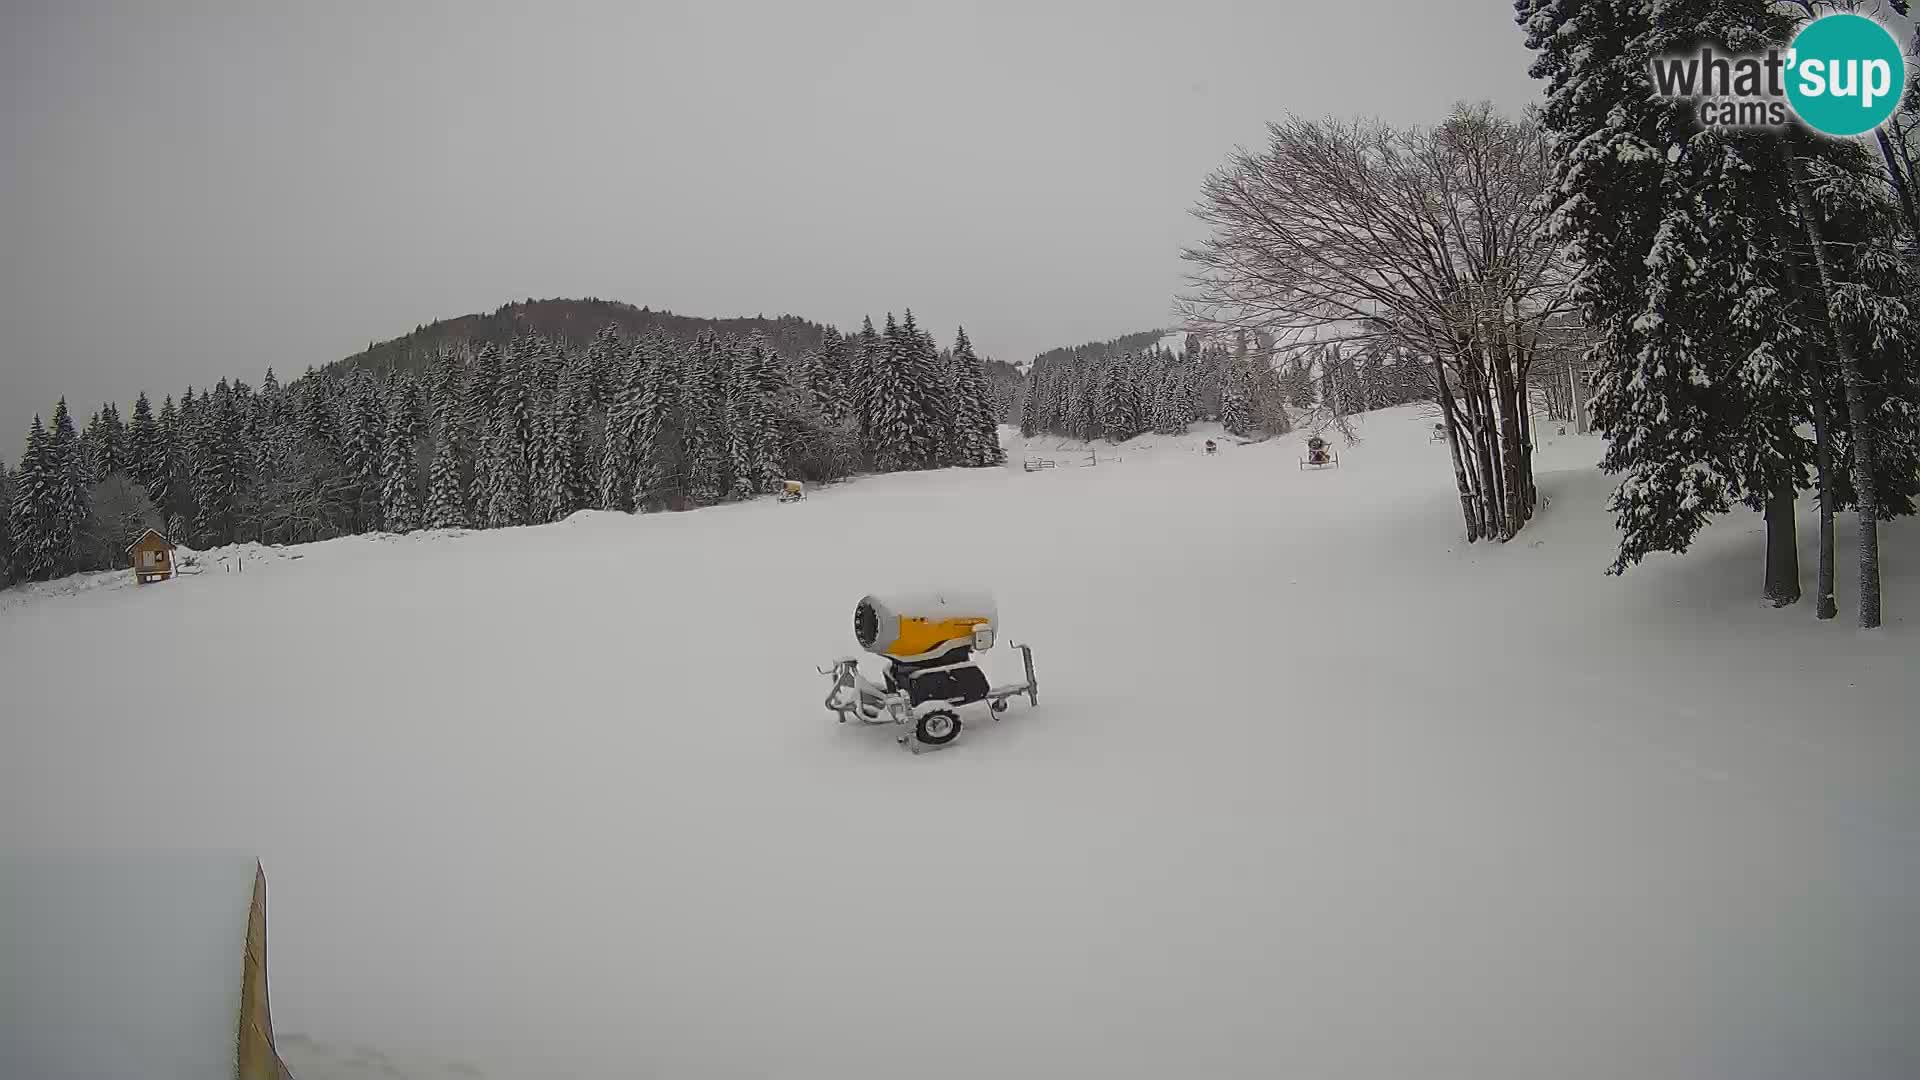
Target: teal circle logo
1845, 74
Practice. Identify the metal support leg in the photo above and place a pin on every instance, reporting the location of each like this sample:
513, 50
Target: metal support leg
1033, 684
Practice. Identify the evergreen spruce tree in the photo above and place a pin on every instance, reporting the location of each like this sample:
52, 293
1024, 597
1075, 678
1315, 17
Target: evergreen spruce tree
657, 422
219, 458
319, 412
406, 406
824, 369
70, 489
7, 574
169, 490
906, 400
189, 429
446, 493
272, 399
941, 431
593, 377
978, 425
1079, 413
618, 461
1033, 408
1678, 234
362, 427
889, 402
510, 467
542, 463
503, 495
399, 483
932, 404
146, 458
90, 450
563, 473
482, 391
703, 416
1856, 287
445, 393
867, 354
35, 508
1113, 420
751, 440
1236, 407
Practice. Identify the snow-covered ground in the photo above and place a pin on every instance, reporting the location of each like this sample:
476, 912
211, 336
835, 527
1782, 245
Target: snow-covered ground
1313, 789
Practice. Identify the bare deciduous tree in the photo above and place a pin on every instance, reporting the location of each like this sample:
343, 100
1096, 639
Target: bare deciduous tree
1426, 241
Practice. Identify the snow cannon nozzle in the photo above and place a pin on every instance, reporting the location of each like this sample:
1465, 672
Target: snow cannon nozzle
917, 626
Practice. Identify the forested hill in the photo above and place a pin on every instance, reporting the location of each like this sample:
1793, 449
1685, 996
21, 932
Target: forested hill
1139, 341
573, 321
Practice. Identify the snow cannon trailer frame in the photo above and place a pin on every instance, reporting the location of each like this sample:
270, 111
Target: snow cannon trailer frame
928, 640
1320, 455
933, 722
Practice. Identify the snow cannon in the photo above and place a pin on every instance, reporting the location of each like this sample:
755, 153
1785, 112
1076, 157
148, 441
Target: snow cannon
928, 640
913, 627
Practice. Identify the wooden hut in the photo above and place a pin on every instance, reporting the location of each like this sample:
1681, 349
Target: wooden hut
151, 557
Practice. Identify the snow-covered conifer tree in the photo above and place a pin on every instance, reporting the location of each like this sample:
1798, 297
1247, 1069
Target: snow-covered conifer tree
824, 369
977, 425
8, 574
658, 420
1236, 408
563, 472
481, 395
503, 481
703, 413
868, 353
446, 494
34, 508
399, 483
750, 436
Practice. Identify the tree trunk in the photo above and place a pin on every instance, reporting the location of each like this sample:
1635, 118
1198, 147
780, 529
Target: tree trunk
1453, 447
1532, 493
1815, 384
1512, 438
1899, 183
1824, 607
1783, 549
1492, 493
1507, 435
1520, 450
1906, 159
1862, 434
1473, 394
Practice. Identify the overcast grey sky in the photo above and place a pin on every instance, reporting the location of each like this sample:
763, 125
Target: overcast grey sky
196, 190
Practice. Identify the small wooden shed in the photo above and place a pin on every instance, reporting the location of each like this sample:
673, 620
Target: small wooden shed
151, 556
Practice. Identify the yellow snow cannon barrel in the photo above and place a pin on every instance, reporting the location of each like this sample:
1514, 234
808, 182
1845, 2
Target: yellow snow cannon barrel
918, 626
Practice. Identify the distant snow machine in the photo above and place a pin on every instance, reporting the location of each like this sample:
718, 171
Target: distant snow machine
1319, 454
1440, 433
928, 640
1212, 449
792, 491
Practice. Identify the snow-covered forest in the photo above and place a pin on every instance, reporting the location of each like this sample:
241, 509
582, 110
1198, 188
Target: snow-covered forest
1098, 393
492, 437
1741, 301
1750, 292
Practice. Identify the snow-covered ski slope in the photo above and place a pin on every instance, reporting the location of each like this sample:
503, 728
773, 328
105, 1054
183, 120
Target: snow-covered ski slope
1314, 789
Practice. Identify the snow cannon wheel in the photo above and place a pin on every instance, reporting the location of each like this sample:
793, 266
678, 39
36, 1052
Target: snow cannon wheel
999, 706
937, 727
